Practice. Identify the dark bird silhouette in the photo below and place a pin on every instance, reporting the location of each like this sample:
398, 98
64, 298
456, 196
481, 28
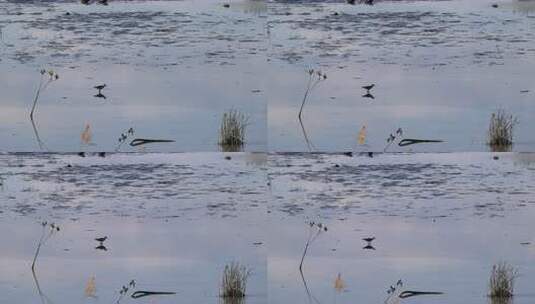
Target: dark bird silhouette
368, 87
370, 154
103, 2
101, 247
368, 247
100, 95
368, 95
352, 2
369, 239
81, 154
102, 154
100, 88
101, 239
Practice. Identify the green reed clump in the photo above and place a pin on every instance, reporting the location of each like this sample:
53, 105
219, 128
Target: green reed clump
500, 133
232, 130
234, 281
502, 280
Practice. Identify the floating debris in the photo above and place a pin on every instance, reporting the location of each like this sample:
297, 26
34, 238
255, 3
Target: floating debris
143, 141
362, 136
339, 284
86, 135
142, 293
91, 289
411, 141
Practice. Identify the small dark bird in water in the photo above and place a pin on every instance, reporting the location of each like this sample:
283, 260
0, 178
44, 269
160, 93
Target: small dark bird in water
81, 154
369, 239
370, 154
368, 87
348, 154
368, 247
368, 95
103, 2
99, 88
495, 5
101, 247
228, 157
226, 5
100, 95
101, 239
102, 154
352, 2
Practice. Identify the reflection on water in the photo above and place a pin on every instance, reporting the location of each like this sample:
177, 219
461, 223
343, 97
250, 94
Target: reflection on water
442, 245
181, 63
440, 69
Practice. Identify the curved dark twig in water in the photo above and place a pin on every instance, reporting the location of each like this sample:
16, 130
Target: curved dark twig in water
310, 145
410, 293
42, 296
37, 137
310, 296
142, 141
141, 293
411, 141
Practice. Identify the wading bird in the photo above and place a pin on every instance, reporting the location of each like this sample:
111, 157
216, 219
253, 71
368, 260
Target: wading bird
99, 88
101, 239
369, 239
368, 87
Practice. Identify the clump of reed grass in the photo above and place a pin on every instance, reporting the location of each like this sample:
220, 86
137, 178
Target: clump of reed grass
234, 281
502, 280
48, 230
500, 133
232, 130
